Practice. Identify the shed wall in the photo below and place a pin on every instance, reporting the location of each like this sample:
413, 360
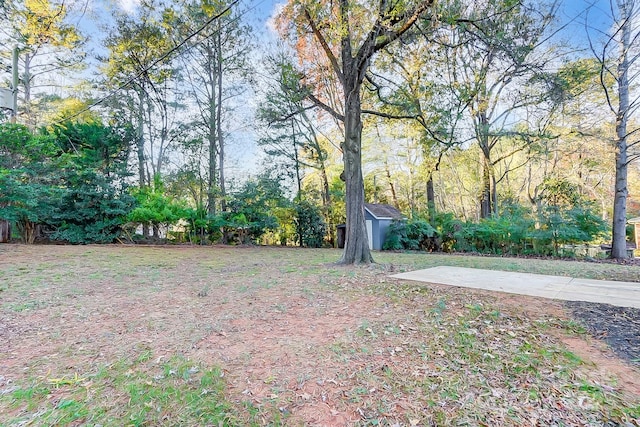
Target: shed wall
378, 230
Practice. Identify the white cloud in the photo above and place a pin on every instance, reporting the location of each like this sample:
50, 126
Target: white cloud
270, 24
129, 6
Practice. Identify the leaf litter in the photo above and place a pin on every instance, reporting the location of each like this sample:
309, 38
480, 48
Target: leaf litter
317, 345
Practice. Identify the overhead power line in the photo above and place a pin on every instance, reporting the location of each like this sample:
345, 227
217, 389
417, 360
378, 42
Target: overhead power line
152, 64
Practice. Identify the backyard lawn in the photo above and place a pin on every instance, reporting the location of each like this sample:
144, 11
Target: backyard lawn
190, 336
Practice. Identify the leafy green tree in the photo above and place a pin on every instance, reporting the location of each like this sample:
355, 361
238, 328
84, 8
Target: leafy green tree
67, 183
27, 172
219, 73
92, 170
310, 225
91, 209
343, 38
26, 200
250, 209
155, 208
95, 146
567, 217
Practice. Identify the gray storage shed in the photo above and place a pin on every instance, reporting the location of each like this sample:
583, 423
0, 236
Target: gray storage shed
378, 218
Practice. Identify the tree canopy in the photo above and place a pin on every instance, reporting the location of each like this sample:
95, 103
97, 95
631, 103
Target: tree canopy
476, 119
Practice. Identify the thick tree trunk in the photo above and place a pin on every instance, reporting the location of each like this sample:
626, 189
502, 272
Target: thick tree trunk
356, 248
619, 234
29, 231
350, 70
5, 231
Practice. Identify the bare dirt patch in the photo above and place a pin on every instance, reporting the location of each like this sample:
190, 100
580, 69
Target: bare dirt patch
301, 341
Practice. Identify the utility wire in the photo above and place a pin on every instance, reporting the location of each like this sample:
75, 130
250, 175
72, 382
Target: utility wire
150, 66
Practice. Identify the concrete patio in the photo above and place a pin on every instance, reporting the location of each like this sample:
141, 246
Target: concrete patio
623, 294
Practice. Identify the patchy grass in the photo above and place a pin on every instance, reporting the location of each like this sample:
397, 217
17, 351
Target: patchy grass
127, 392
471, 365
124, 335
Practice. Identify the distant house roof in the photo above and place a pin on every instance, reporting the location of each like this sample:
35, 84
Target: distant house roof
383, 211
634, 220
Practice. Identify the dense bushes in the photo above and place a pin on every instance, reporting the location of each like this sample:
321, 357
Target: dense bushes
415, 235
65, 184
91, 209
69, 184
517, 231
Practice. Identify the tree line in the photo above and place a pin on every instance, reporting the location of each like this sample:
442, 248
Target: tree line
473, 118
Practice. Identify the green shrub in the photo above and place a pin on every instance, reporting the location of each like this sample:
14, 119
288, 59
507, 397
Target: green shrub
573, 226
310, 225
91, 210
566, 216
203, 228
155, 208
449, 230
507, 234
396, 233
514, 232
415, 234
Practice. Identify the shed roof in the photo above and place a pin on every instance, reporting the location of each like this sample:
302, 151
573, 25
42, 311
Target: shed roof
380, 211
634, 220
